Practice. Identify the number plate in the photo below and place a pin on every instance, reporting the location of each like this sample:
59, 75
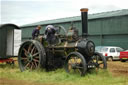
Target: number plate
124, 58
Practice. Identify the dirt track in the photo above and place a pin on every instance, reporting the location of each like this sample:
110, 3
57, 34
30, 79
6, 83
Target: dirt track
4, 81
118, 68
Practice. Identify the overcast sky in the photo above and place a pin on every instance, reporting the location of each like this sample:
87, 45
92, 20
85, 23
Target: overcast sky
22, 12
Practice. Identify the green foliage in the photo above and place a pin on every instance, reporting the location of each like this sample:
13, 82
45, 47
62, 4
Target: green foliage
101, 77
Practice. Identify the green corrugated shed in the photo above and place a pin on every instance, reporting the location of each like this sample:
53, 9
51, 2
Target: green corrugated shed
107, 28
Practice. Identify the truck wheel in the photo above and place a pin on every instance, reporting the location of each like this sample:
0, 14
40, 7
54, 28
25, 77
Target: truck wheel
76, 64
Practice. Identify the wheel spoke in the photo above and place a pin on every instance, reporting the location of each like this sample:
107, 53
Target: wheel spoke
79, 61
69, 67
32, 49
32, 65
36, 57
100, 63
74, 59
36, 60
76, 71
70, 61
80, 71
29, 48
97, 59
27, 65
78, 67
26, 52
35, 54
35, 64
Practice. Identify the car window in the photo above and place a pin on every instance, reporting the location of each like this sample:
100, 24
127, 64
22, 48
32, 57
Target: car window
104, 49
98, 49
119, 49
112, 50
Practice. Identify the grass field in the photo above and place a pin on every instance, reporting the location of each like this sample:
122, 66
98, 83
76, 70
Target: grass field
58, 77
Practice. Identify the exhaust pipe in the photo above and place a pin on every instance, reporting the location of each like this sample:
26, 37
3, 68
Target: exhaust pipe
84, 17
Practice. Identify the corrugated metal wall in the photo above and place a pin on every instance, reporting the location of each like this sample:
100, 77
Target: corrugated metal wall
103, 31
110, 31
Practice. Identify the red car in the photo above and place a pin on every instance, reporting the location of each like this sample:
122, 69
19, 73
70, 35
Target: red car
124, 56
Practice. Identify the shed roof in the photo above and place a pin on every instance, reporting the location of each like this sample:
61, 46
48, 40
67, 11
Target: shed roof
6, 25
78, 18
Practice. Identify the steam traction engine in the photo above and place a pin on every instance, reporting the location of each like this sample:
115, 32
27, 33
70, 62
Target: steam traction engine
76, 54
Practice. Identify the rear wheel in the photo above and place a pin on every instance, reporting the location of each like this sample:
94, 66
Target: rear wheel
30, 55
76, 64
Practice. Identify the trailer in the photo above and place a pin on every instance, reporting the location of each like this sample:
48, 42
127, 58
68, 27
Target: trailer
10, 40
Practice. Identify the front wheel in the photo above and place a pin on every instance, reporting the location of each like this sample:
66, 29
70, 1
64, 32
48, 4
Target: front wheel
76, 64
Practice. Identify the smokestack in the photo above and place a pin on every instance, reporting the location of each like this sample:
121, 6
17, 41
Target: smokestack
84, 17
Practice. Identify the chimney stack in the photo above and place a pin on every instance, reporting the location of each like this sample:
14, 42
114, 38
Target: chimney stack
84, 17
